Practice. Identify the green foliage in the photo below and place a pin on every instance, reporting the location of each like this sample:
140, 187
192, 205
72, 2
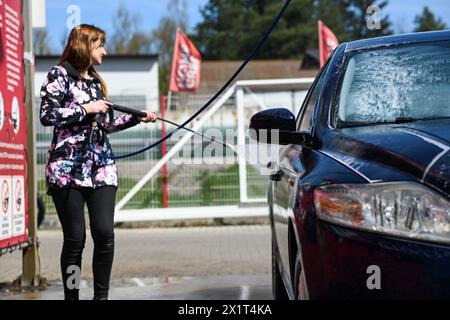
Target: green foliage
231, 28
426, 21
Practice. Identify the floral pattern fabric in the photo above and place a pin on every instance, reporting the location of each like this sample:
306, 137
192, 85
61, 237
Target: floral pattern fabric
69, 160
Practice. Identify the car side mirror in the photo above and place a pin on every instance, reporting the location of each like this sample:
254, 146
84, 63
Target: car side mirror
276, 126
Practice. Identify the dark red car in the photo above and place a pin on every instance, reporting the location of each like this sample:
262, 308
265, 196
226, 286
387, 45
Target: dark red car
359, 203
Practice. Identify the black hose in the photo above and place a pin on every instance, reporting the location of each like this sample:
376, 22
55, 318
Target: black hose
200, 134
212, 99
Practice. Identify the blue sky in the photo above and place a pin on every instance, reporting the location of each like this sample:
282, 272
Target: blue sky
101, 12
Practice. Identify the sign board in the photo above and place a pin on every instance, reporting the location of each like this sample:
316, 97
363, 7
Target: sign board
13, 135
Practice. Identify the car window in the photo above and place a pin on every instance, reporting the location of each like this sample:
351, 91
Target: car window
396, 84
304, 121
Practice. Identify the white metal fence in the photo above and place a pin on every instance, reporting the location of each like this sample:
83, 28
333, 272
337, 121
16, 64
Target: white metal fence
204, 179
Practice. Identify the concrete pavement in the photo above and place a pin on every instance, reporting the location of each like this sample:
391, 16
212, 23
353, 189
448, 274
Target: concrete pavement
215, 262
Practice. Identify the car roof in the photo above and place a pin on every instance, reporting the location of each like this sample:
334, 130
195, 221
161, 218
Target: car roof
398, 39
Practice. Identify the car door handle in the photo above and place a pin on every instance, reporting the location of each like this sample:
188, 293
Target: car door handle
276, 176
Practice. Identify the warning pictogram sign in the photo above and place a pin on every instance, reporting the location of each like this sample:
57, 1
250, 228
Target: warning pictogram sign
6, 207
18, 195
18, 210
5, 196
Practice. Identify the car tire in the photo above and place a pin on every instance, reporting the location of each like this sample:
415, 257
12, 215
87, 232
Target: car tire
278, 289
41, 210
298, 284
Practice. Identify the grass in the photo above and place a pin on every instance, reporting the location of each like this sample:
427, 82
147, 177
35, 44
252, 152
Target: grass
220, 188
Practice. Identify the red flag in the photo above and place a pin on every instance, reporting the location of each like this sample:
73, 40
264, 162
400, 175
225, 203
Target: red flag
327, 42
186, 63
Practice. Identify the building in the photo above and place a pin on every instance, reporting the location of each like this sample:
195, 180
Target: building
132, 80
215, 73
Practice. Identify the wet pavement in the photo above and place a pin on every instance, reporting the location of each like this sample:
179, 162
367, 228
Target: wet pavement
170, 288
201, 263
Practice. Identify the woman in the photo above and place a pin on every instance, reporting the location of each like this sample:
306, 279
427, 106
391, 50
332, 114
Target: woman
72, 95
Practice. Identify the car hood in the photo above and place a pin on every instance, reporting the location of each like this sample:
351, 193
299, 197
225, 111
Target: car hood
418, 151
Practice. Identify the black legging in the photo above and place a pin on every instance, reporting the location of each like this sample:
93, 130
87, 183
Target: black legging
69, 205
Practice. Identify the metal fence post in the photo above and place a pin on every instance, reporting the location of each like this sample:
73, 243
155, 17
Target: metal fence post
30, 258
241, 144
164, 151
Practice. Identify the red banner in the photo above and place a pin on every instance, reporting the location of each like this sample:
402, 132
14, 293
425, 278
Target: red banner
185, 65
13, 138
327, 42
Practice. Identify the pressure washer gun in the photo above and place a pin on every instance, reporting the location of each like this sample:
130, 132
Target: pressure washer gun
98, 125
100, 118
132, 111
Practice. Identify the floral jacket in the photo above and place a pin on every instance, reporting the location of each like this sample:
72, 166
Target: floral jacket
69, 160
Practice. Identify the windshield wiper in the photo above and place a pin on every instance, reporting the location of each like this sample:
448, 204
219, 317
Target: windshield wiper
346, 124
402, 120
411, 119
395, 121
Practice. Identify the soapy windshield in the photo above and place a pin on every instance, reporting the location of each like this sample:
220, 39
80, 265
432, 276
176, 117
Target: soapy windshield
396, 84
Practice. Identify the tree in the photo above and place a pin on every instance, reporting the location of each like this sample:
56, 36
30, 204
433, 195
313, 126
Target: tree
426, 21
231, 28
41, 42
127, 38
296, 31
164, 38
332, 13
139, 43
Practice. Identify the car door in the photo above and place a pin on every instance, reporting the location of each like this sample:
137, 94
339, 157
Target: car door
287, 177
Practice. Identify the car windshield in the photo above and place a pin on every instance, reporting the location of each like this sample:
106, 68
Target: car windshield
396, 84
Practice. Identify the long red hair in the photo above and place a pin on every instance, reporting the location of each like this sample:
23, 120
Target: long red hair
78, 50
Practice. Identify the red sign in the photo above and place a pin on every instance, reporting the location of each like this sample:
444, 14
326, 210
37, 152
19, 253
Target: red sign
327, 42
185, 65
13, 137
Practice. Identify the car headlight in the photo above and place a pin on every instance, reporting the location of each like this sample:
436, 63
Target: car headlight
402, 209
